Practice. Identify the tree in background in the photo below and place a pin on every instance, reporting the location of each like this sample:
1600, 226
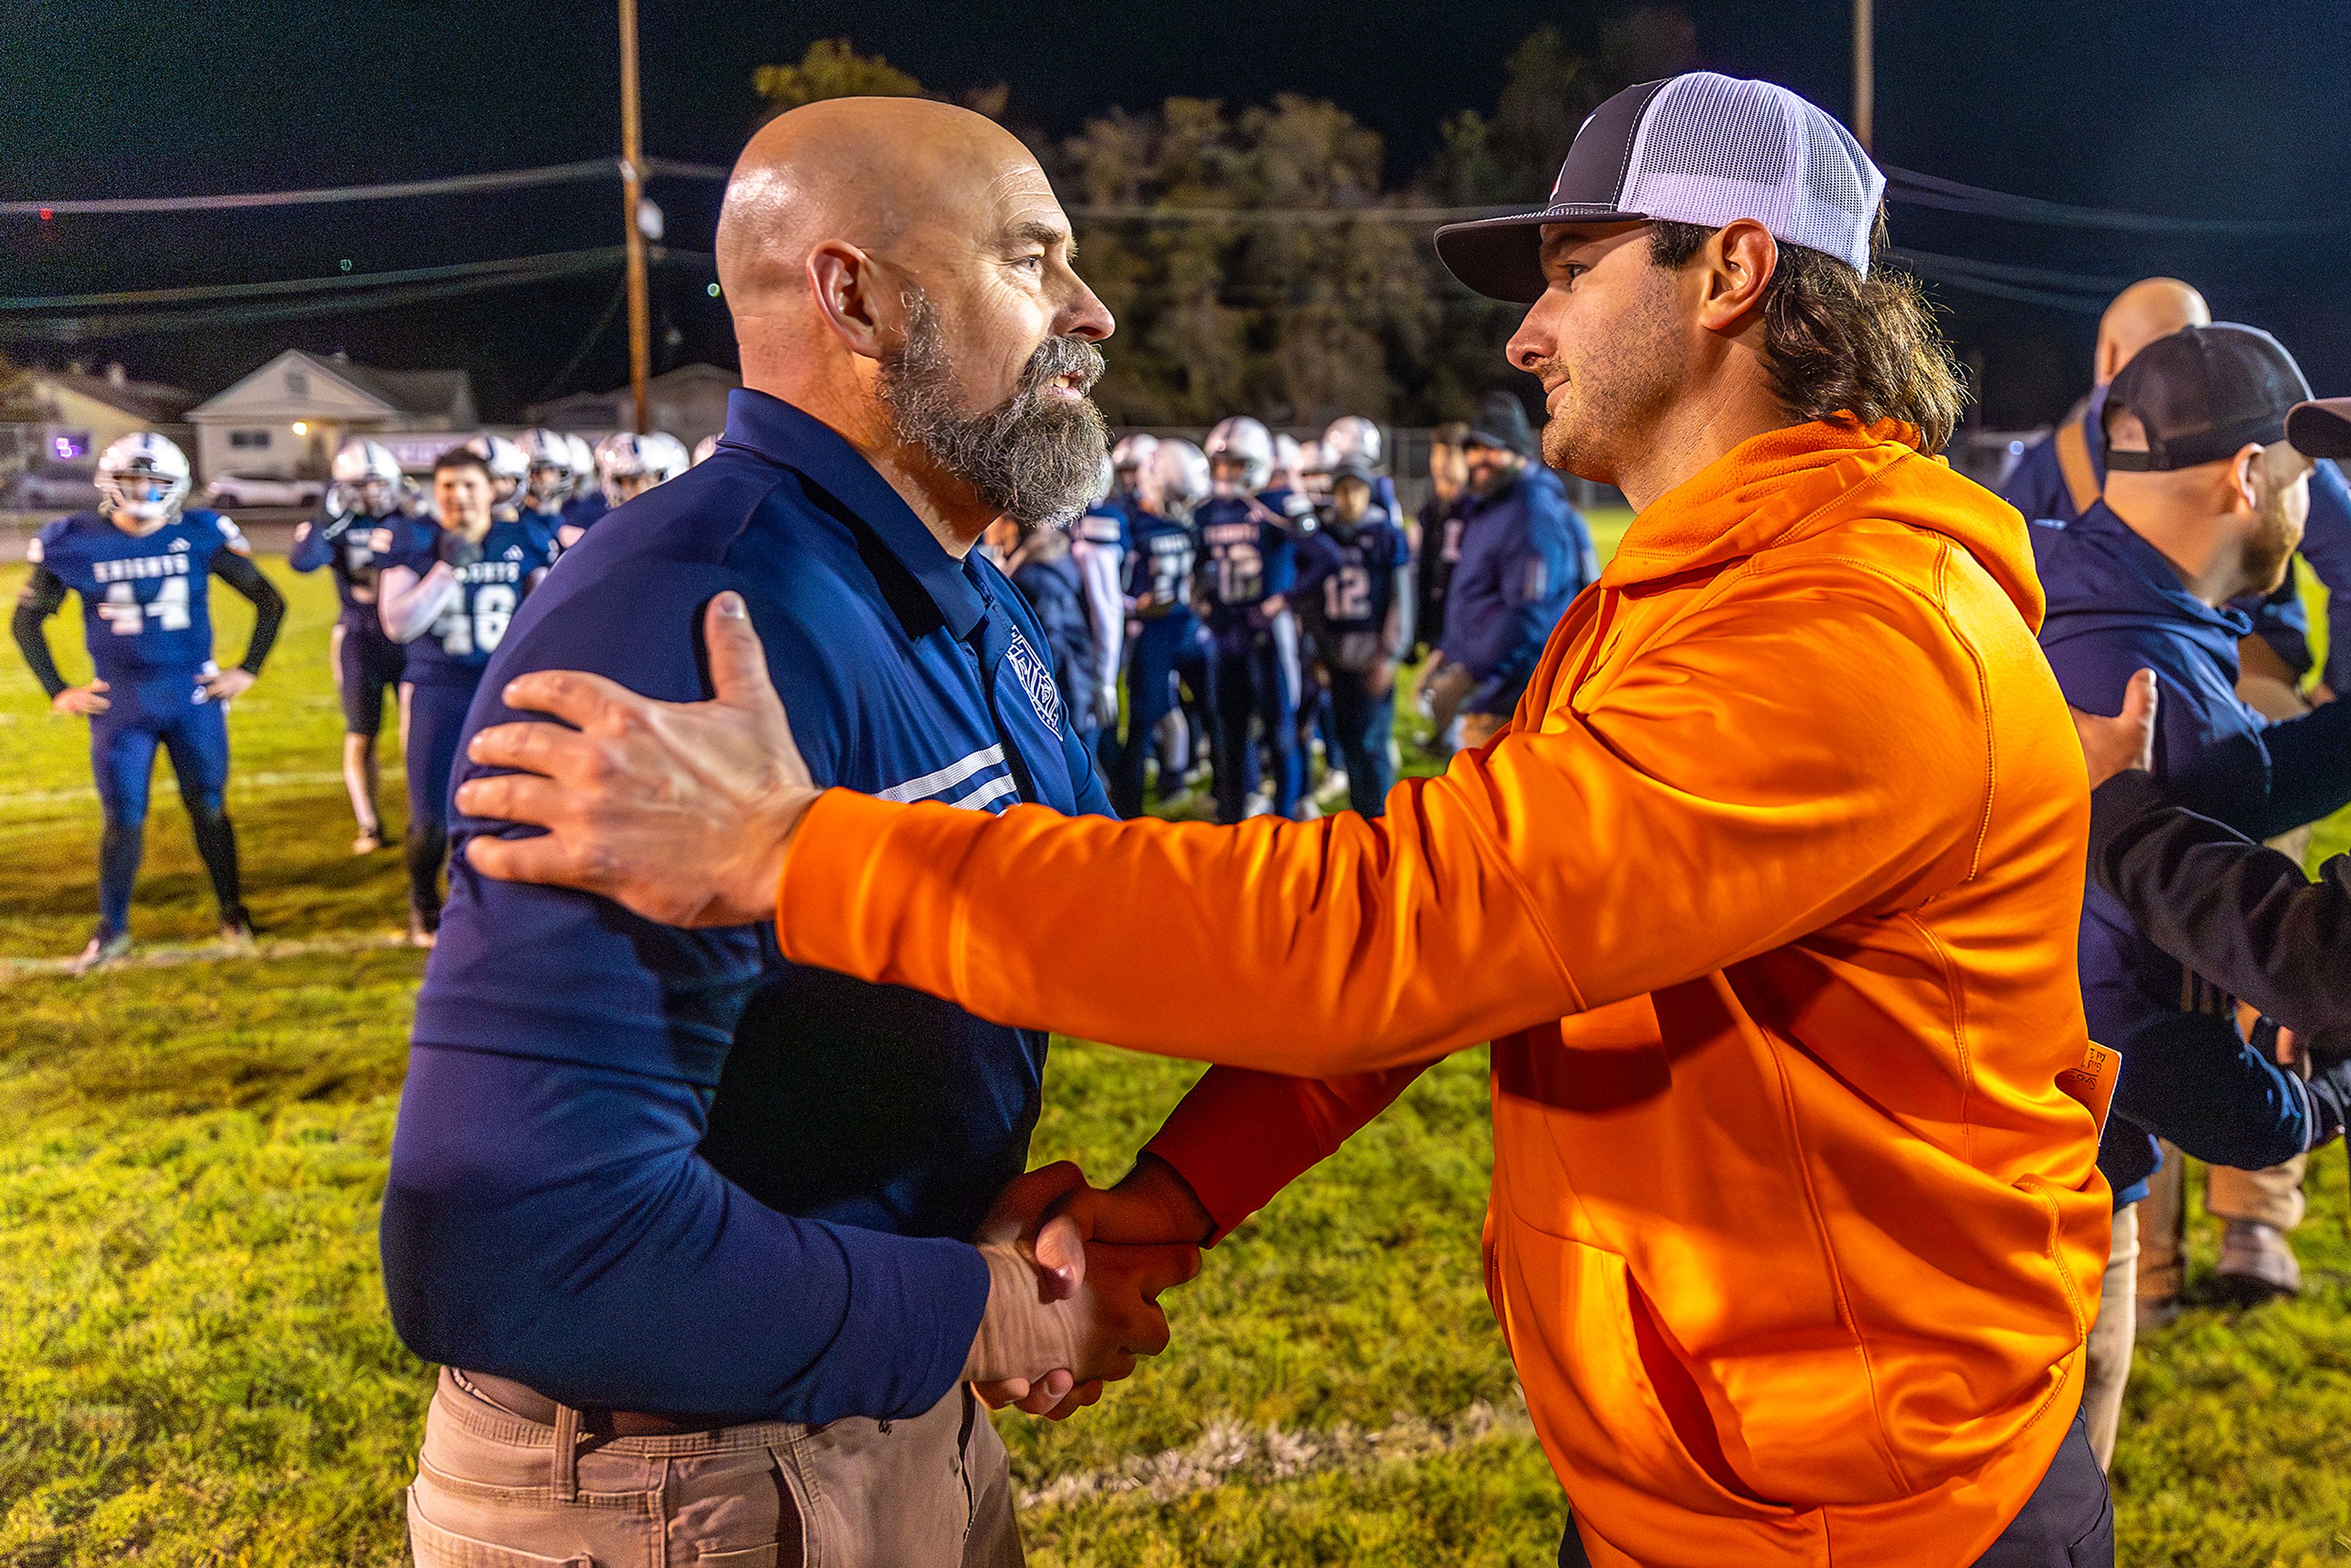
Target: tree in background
1253, 257
833, 68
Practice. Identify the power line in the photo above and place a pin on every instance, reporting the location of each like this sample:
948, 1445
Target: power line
199, 292
1932, 191
567, 265
456, 185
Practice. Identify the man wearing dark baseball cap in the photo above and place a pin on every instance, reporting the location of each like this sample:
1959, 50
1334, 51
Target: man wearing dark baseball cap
1525, 554
1765, 897
2209, 442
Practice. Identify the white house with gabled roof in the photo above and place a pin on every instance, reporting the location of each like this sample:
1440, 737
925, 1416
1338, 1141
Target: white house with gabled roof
286, 418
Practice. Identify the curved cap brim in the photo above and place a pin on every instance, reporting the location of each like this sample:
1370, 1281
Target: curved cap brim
1502, 258
2321, 427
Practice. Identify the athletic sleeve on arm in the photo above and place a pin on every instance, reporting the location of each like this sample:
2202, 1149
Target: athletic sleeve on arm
268, 605
408, 603
1490, 900
43, 595
2236, 911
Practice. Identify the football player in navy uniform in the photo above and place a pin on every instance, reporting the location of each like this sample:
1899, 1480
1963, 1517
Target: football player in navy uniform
1249, 559
509, 473
359, 526
143, 568
448, 599
1170, 644
627, 466
1098, 548
1127, 459
587, 502
553, 478
1355, 589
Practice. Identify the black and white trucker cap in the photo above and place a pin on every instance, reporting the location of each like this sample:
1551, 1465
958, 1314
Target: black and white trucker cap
1693, 149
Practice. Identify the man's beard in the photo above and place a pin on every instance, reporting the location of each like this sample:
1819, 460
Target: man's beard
1617, 392
1034, 459
2269, 551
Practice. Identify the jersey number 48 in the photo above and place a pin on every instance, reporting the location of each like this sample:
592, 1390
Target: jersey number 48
462, 634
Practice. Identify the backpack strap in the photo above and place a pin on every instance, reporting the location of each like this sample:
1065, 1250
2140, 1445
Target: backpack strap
2074, 463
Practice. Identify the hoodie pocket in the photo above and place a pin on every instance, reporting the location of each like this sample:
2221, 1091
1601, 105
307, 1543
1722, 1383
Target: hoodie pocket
1641, 1414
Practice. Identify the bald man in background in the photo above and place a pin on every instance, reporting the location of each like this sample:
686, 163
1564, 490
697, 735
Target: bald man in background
712, 1248
2059, 479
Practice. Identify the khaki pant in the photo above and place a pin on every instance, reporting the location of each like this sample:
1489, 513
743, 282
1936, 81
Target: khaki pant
2272, 1196
493, 1490
2112, 1338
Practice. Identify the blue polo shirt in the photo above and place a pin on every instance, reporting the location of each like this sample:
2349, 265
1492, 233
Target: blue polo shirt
655, 1169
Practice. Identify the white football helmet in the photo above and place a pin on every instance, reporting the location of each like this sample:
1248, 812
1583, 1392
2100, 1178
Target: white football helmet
144, 477
1285, 462
1313, 470
1351, 435
554, 472
1130, 454
1176, 479
1106, 481
704, 448
583, 464
671, 457
366, 478
627, 466
1247, 444
509, 469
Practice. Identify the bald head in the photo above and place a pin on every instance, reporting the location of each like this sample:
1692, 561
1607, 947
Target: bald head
901, 270
2150, 308
871, 172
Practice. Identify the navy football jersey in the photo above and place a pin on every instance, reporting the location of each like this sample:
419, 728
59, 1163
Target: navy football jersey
145, 606
1159, 564
1248, 552
1347, 584
454, 649
363, 548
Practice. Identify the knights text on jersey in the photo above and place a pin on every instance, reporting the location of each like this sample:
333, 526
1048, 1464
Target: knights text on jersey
145, 605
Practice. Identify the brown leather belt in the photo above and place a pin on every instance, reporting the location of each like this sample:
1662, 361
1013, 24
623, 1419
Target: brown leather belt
529, 1402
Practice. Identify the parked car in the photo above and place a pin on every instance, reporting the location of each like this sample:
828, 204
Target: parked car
30, 490
264, 490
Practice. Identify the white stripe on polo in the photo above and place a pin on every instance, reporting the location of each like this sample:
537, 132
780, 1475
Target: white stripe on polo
945, 779
993, 790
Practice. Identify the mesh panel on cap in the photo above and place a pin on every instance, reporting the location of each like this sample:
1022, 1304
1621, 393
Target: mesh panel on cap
1713, 150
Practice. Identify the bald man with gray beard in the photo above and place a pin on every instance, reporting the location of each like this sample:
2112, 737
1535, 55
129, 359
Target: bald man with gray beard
722, 1255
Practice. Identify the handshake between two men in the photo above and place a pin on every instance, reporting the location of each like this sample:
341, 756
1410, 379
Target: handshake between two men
1074, 1276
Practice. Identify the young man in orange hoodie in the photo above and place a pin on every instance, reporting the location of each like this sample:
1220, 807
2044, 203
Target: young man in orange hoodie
1765, 898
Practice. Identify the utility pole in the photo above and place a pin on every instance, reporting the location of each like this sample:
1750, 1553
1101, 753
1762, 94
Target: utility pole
1865, 75
632, 192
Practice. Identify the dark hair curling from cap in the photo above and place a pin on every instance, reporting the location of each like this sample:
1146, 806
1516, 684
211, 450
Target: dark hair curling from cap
1835, 342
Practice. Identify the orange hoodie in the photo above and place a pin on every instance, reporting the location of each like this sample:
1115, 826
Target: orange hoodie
1767, 901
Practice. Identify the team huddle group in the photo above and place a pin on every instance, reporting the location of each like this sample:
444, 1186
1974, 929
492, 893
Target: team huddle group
427, 582
1262, 593
1257, 599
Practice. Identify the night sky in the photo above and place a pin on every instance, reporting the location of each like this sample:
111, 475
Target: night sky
2175, 109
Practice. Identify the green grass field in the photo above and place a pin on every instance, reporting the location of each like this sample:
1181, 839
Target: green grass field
195, 1366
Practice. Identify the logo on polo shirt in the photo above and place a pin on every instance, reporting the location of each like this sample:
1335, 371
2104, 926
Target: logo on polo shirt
1037, 681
